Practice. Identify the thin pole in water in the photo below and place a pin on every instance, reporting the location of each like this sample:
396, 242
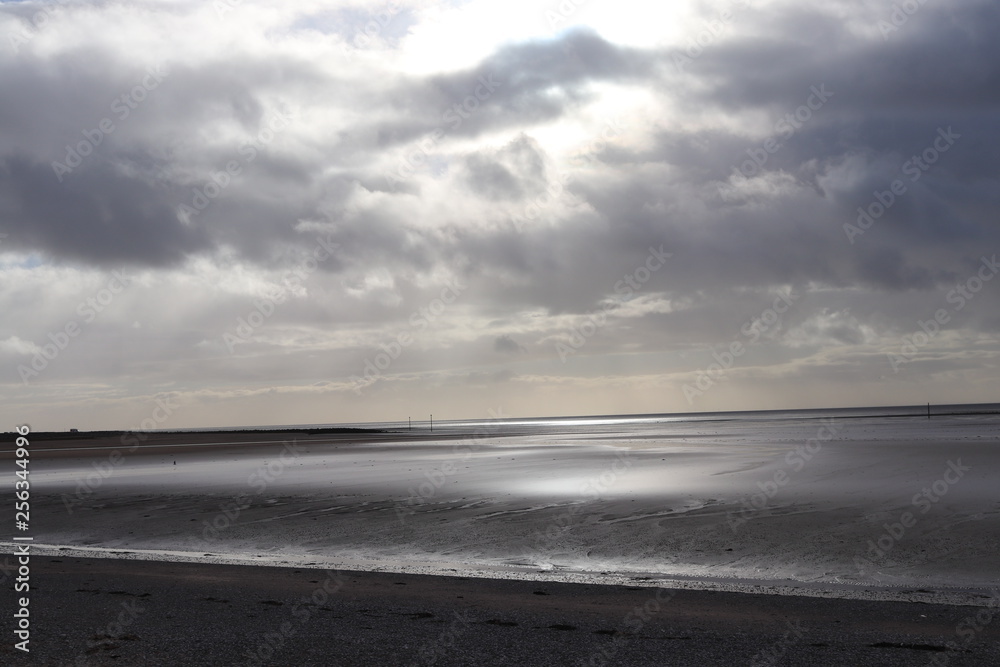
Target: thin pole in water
432, 423
928, 410
409, 426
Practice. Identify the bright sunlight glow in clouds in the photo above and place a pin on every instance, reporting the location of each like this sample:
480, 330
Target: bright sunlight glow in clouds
311, 212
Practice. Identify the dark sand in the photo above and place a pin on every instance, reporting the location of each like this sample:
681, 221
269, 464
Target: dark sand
114, 612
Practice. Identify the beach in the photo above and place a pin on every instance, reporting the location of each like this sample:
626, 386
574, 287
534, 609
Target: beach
886, 523
112, 612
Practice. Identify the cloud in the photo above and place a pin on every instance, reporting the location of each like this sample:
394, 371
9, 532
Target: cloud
513, 172
507, 345
537, 167
18, 346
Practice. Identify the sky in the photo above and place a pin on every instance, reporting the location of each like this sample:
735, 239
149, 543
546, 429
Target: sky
249, 213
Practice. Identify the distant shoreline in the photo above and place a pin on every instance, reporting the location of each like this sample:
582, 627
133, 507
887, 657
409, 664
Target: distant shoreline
89, 435
886, 412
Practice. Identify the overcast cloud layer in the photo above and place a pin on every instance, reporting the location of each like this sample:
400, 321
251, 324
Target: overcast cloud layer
259, 214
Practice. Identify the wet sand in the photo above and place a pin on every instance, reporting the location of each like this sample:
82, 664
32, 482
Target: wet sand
724, 504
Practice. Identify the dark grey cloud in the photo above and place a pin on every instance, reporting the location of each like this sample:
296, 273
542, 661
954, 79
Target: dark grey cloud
510, 173
102, 216
941, 59
507, 345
